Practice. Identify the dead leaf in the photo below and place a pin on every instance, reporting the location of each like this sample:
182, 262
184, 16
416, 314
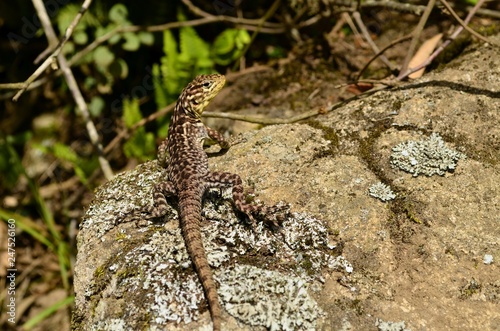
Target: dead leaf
422, 54
359, 88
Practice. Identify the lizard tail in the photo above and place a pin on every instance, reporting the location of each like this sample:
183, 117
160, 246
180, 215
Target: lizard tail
190, 217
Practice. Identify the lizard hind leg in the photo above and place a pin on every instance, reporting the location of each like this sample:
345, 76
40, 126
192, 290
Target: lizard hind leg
226, 179
160, 193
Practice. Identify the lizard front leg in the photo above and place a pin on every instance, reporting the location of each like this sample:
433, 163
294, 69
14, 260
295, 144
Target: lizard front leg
160, 206
162, 155
218, 138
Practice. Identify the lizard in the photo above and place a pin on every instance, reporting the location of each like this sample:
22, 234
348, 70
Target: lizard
186, 162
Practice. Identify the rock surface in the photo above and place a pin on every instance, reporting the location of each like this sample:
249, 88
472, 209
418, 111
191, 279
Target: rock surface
411, 263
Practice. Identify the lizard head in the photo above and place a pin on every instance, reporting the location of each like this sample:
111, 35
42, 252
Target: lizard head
198, 94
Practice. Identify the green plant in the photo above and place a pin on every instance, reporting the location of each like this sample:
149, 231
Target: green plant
67, 156
193, 56
189, 57
142, 144
11, 172
48, 236
102, 66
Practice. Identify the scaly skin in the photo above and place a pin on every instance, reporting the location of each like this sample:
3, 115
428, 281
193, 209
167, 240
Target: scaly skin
188, 177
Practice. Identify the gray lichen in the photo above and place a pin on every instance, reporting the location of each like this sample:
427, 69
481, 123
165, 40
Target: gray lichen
264, 276
428, 156
381, 191
254, 295
268, 298
114, 324
488, 259
391, 326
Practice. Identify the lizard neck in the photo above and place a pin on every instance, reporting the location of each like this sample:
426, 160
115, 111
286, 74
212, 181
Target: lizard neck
181, 116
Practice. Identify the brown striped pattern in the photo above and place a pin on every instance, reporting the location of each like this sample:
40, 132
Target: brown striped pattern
188, 178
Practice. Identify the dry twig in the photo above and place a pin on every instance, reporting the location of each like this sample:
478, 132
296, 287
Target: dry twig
366, 34
395, 42
463, 24
52, 40
70, 79
123, 134
445, 43
416, 35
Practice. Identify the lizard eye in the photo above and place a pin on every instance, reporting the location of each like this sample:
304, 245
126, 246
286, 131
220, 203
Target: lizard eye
207, 84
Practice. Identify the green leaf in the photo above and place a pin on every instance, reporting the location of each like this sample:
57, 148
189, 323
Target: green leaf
161, 95
96, 106
44, 314
9, 167
229, 45
171, 56
64, 152
80, 37
115, 39
66, 15
141, 145
131, 112
103, 56
101, 31
192, 44
118, 13
225, 42
169, 69
132, 42
147, 38
119, 68
68, 48
89, 82
243, 38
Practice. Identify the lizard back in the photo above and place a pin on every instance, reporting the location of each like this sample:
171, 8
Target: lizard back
187, 169
189, 178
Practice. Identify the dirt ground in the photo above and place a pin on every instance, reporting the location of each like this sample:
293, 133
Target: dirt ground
426, 260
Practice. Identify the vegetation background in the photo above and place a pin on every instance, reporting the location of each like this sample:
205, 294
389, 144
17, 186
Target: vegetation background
130, 60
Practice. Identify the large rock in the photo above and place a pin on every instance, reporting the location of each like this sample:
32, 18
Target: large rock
344, 259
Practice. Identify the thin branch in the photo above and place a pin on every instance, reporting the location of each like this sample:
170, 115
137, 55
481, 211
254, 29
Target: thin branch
416, 35
464, 25
267, 15
123, 134
398, 6
247, 24
52, 37
235, 20
408, 7
445, 43
487, 12
322, 110
368, 38
70, 79
264, 120
395, 42
309, 21
133, 28
44, 54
